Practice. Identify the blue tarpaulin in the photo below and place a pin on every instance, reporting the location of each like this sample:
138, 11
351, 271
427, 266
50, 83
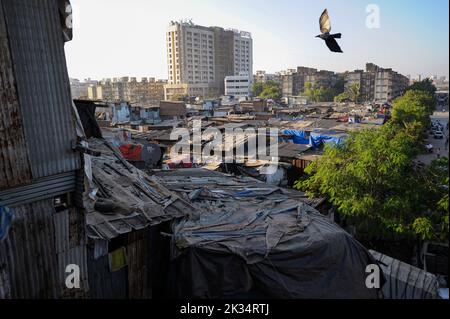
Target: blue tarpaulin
317, 138
299, 137
6, 218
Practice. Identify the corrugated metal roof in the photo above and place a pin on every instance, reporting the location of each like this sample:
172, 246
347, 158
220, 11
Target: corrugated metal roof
14, 164
37, 50
128, 199
290, 150
404, 281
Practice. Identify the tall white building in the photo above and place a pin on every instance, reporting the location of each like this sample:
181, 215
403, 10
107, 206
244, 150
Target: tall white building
243, 53
199, 58
190, 54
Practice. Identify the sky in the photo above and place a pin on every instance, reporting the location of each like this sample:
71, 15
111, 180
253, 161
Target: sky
114, 38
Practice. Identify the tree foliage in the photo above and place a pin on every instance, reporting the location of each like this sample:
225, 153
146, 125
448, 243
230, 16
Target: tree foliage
268, 90
372, 179
412, 111
321, 94
257, 89
369, 179
343, 97
424, 85
352, 93
434, 223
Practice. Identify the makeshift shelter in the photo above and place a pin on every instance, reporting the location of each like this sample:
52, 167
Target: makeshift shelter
126, 210
250, 239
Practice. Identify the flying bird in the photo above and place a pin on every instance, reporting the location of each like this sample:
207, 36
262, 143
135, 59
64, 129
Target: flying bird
325, 28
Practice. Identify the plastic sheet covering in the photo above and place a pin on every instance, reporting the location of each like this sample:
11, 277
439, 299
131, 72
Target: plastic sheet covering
299, 137
317, 138
255, 240
404, 281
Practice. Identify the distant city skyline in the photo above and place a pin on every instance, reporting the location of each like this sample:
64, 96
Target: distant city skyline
139, 78
116, 38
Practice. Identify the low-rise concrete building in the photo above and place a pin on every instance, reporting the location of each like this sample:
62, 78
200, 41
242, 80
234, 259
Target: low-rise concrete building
238, 85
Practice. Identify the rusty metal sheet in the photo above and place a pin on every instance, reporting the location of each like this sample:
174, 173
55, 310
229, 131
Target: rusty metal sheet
36, 45
14, 163
29, 260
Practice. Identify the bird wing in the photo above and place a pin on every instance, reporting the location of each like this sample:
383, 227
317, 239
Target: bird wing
333, 45
325, 25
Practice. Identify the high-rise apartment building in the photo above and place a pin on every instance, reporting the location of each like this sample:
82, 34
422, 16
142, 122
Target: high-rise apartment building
243, 53
199, 58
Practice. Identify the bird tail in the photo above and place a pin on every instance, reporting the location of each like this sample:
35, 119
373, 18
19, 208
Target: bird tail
336, 36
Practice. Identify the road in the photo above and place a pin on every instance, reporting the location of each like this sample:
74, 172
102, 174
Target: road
440, 149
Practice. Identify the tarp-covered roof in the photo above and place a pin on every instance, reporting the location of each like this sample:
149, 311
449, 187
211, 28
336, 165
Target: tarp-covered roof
249, 237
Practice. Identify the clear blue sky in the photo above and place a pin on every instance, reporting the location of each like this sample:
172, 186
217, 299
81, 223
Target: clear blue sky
127, 37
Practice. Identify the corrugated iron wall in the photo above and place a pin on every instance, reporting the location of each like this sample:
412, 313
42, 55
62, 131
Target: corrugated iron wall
35, 254
37, 129
37, 51
14, 164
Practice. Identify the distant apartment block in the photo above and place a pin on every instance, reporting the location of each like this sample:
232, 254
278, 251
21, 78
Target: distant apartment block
294, 80
263, 77
79, 89
377, 83
146, 92
199, 58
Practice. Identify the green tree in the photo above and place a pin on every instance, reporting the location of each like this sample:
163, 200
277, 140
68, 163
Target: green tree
412, 112
257, 89
271, 92
314, 93
268, 90
424, 85
428, 87
370, 180
434, 182
354, 92
373, 181
323, 94
343, 97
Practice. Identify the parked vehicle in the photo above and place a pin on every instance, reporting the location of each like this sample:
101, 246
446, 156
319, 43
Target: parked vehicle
438, 135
